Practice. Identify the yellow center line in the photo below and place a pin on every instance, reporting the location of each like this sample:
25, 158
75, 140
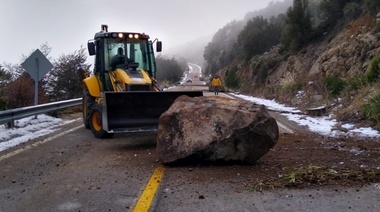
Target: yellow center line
150, 190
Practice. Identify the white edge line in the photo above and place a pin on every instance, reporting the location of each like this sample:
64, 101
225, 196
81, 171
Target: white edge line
37, 143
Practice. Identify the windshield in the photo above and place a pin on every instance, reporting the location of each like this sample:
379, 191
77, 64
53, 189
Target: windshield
135, 50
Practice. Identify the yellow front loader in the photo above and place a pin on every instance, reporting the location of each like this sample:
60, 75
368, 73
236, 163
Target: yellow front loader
122, 94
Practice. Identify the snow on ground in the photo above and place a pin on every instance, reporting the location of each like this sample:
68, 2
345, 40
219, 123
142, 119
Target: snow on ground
29, 128
324, 125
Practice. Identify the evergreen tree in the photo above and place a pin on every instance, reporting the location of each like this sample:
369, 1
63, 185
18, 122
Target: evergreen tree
221, 50
372, 5
298, 30
231, 78
62, 82
168, 70
259, 35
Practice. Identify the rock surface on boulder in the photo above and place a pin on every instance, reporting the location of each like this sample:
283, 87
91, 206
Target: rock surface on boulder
215, 129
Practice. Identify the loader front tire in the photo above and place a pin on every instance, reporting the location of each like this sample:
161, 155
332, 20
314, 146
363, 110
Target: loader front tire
87, 102
96, 123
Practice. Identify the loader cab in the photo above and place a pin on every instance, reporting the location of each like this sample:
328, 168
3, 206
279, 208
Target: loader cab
129, 51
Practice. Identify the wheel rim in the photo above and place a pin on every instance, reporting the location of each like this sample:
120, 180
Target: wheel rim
96, 121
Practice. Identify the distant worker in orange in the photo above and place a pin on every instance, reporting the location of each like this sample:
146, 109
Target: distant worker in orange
216, 83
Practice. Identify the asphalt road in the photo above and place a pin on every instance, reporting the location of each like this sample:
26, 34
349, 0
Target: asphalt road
76, 172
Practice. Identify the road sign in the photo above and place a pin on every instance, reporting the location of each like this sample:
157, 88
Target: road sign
37, 65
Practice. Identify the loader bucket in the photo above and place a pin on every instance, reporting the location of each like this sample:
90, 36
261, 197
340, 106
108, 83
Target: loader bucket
138, 111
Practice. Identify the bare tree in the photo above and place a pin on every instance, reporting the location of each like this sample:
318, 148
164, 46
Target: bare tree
20, 92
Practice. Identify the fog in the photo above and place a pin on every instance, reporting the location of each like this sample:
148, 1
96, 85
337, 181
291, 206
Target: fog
66, 25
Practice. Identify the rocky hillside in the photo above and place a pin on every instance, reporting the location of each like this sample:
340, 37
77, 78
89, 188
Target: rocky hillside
300, 79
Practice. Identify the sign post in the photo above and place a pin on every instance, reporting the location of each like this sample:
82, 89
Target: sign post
37, 65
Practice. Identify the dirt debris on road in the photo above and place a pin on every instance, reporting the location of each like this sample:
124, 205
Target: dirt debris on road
310, 160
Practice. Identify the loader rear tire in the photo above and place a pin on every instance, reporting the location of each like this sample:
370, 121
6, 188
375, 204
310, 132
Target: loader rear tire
87, 102
96, 123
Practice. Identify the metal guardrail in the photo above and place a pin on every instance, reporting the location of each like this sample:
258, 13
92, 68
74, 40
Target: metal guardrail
19, 113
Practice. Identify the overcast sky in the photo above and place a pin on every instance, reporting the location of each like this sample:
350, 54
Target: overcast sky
67, 24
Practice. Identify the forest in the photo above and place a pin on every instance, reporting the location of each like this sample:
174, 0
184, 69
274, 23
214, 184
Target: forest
302, 23
249, 53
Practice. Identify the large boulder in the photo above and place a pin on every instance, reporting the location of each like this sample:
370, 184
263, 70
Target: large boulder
215, 129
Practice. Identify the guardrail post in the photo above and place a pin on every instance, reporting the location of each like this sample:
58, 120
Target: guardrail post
11, 124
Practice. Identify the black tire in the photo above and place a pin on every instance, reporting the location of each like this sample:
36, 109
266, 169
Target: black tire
88, 102
96, 122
